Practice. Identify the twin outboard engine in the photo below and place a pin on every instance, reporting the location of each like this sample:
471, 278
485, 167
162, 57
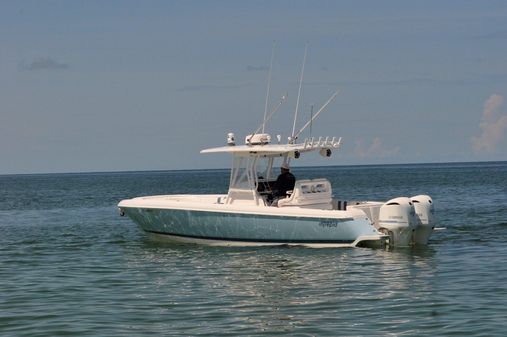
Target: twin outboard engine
407, 221
397, 219
423, 205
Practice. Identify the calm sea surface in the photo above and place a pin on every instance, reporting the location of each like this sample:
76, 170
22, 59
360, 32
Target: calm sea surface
70, 266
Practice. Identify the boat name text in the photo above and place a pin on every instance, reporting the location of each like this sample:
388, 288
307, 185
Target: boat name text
329, 223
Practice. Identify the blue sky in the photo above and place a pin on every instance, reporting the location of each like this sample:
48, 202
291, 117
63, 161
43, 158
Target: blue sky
131, 85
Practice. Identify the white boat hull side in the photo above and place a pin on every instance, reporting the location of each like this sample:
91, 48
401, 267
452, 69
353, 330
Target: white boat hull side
246, 229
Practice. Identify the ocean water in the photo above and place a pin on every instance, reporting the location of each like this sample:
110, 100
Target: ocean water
70, 266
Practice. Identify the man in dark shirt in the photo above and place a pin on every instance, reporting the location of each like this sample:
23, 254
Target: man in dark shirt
285, 182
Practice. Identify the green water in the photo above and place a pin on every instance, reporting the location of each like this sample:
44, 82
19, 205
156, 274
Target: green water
70, 266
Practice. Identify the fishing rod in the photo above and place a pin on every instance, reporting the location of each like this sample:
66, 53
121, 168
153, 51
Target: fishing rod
282, 99
316, 114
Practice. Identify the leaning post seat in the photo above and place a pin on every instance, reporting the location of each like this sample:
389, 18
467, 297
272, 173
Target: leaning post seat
315, 193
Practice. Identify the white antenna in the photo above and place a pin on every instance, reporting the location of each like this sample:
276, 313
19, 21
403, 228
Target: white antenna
269, 85
318, 112
299, 91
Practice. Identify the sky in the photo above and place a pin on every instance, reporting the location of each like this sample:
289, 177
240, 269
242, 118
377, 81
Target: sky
93, 86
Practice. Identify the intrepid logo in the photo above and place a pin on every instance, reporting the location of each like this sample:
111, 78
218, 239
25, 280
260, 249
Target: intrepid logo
329, 223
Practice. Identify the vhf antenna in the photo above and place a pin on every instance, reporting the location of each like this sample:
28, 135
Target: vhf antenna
269, 86
299, 94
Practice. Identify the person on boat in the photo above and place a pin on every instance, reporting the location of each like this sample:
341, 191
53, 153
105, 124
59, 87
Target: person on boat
285, 182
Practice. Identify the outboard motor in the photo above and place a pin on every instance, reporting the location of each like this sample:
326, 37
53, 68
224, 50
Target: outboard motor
397, 219
423, 205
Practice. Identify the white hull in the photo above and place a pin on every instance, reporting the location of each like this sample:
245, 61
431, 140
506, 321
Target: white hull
203, 219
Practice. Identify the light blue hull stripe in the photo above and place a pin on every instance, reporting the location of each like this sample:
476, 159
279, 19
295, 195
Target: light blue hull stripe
249, 227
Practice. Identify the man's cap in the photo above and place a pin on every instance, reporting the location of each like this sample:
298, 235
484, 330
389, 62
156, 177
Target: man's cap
285, 166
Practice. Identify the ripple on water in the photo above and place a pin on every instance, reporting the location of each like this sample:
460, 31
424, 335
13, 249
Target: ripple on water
70, 266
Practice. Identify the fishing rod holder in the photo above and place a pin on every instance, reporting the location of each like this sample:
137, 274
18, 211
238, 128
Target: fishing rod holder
321, 142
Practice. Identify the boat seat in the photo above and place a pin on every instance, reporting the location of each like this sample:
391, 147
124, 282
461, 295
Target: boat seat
309, 193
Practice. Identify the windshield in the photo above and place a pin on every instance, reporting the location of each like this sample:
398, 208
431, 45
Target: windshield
264, 168
241, 174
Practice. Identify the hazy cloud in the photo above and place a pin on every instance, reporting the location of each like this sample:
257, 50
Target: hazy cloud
204, 87
257, 68
44, 63
498, 35
375, 150
476, 79
493, 126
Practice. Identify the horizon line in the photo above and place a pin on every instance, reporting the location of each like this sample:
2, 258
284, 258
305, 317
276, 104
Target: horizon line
226, 168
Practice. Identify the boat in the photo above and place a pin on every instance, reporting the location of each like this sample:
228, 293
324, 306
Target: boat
309, 214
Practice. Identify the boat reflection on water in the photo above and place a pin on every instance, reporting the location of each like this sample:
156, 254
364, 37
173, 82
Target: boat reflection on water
275, 289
